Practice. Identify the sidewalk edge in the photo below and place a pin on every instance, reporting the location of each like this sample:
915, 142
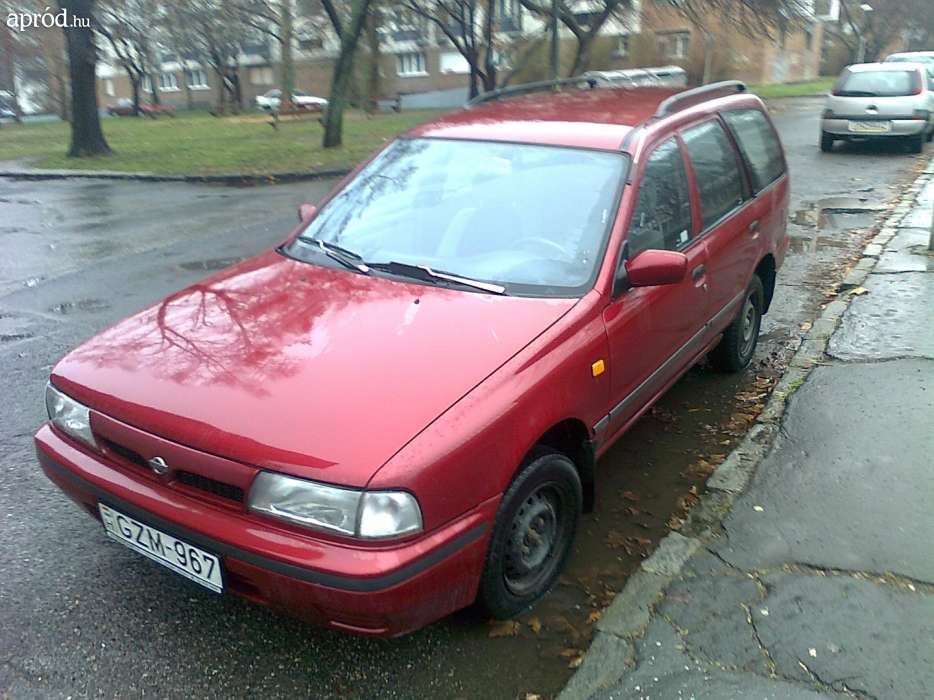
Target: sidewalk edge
629, 613
225, 179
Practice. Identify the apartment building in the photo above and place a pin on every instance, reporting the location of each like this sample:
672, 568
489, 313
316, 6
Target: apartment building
415, 57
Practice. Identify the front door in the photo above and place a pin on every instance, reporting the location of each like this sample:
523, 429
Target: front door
654, 332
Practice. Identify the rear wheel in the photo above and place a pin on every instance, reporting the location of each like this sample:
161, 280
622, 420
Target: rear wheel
533, 534
736, 348
930, 136
826, 142
916, 143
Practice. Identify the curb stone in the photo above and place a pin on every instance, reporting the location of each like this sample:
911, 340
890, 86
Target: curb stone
612, 652
232, 179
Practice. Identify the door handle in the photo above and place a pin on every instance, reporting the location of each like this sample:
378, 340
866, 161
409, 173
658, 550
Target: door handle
698, 272
754, 226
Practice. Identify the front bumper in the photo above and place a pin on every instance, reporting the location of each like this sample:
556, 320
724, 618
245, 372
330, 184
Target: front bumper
840, 128
385, 590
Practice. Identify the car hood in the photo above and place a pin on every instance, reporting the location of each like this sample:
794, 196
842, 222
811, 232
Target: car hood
313, 371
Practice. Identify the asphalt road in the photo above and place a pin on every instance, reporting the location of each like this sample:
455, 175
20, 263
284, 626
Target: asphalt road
83, 617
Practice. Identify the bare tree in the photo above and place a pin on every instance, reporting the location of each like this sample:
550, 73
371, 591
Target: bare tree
866, 33
584, 26
128, 26
87, 139
340, 82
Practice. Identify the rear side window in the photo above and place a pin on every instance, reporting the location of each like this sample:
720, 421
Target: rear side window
759, 144
878, 83
717, 170
662, 217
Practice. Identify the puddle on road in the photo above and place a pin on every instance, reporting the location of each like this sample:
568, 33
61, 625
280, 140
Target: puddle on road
82, 305
209, 265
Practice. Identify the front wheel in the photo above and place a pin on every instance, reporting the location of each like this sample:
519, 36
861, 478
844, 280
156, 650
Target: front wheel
826, 142
532, 535
736, 348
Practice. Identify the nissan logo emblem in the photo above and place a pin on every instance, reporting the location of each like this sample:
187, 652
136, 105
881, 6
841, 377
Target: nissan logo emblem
159, 465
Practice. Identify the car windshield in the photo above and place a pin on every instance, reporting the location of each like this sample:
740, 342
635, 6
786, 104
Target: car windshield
878, 83
532, 218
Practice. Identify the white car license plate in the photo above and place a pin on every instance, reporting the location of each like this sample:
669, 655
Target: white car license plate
871, 127
185, 559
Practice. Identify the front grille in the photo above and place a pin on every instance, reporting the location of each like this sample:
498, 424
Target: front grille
203, 483
195, 481
124, 452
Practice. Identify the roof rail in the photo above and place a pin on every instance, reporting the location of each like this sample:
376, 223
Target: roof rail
671, 104
539, 86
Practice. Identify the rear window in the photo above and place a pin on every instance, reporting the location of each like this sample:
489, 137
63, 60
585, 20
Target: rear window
878, 83
759, 144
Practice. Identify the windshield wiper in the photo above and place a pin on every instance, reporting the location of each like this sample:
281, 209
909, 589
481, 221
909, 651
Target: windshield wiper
348, 258
426, 274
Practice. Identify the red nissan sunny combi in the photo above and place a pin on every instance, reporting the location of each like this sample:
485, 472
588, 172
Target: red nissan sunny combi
397, 412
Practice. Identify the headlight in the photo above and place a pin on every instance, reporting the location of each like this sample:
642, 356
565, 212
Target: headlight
370, 514
69, 416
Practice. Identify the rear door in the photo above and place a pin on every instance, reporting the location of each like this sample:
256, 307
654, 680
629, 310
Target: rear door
730, 229
653, 332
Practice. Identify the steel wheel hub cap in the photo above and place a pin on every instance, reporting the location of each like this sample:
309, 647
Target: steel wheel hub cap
531, 541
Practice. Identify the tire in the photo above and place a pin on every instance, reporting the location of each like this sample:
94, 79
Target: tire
930, 136
544, 503
735, 350
916, 143
826, 142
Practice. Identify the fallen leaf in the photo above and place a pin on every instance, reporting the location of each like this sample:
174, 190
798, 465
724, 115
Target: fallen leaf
535, 624
533, 696
630, 496
813, 652
859, 291
504, 628
806, 326
758, 509
569, 653
575, 663
594, 616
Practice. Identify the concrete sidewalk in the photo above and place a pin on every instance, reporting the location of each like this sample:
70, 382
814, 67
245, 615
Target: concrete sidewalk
815, 579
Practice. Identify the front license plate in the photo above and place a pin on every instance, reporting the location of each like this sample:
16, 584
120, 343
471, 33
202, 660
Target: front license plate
871, 127
183, 558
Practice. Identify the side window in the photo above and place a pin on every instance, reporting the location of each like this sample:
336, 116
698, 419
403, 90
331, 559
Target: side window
717, 169
759, 144
662, 217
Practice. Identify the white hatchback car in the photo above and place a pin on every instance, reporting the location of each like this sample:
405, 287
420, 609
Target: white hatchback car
880, 100
272, 101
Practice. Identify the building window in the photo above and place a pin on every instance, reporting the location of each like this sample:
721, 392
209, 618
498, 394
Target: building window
109, 87
676, 44
196, 78
622, 46
314, 43
809, 38
146, 84
261, 76
411, 64
168, 82
509, 15
454, 62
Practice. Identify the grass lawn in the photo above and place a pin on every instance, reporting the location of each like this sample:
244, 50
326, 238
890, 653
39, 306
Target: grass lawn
195, 143
820, 86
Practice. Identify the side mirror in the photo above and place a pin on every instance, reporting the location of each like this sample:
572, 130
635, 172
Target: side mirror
652, 268
306, 211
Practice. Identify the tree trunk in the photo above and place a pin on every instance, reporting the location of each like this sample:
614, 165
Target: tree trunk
285, 48
10, 69
343, 69
489, 68
134, 86
87, 139
374, 57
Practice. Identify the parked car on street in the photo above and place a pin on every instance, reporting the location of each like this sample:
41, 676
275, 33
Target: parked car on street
397, 412
880, 101
124, 108
925, 57
272, 101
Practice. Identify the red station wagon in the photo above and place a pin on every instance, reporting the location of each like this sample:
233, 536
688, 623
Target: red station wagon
397, 412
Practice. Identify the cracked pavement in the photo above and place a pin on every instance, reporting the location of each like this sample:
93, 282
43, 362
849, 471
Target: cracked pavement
819, 582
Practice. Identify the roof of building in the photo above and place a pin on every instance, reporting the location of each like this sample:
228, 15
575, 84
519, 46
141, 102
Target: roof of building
583, 118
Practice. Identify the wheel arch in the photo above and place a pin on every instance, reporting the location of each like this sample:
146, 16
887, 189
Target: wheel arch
765, 271
571, 438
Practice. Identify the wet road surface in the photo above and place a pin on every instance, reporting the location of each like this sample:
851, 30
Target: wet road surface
81, 616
